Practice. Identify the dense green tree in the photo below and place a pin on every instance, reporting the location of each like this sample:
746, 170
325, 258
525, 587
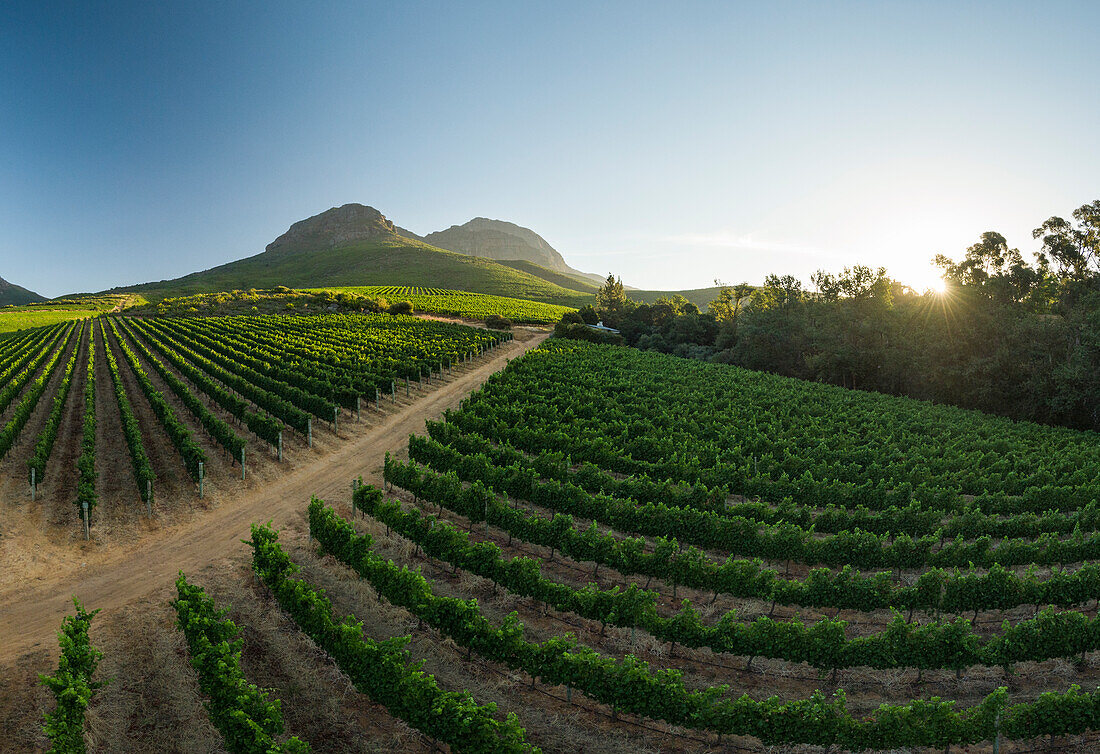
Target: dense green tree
611, 296
1006, 336
1076, 250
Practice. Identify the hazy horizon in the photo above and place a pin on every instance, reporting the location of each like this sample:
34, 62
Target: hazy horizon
671, 148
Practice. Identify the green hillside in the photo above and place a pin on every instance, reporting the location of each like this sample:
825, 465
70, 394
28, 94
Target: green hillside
462, 303
386, 261
701, 297
51, 312
16, 295
564, 279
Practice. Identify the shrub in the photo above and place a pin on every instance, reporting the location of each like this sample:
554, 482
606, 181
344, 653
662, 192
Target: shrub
401, 307
584, 332
497, 322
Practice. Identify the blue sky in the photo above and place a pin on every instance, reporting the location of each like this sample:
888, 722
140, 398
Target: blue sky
671, 143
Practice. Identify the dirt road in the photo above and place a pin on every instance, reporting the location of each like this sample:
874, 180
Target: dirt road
30, 615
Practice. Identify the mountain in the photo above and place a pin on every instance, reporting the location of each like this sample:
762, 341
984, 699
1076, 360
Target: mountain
576, 281
501, 241
357, 245
11, 294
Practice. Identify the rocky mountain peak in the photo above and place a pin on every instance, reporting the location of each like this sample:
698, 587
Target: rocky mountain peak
500, 240
338, 226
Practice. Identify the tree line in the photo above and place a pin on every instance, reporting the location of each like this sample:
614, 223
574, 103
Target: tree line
1005, 336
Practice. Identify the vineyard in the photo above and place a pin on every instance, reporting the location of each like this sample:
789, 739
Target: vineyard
463, 304
602, 549
734, 557
123, 416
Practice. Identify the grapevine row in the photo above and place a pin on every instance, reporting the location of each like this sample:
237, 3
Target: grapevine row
179, 355
935, 590
913, 519
248, 721
139, 461
85, 464
263, 426
43, 447
744, 536
23, 410
382, 670
630, 685
235, 365
269, 365
72, 685
28, 366
823, 645
189, 450
760, 435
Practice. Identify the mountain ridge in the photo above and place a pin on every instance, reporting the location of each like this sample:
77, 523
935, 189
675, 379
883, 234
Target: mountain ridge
500, 241
355, 244
16, 295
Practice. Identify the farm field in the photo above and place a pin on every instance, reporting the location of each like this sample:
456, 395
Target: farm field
130, 572
462, 304
781, 537
602, 549
148, 421
15, 318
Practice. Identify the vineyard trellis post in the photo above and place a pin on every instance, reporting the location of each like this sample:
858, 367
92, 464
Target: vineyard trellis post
393, 390
84, 505
378, 398
242, 463
149, 497
309, 432
202, 478
357, 398
406, 386
335, 416
997, 730
280, 446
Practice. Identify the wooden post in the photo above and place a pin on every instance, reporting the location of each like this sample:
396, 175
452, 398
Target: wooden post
33, 471
357, 408
309, 431
149, 497
406, 386
84, 504
393, 390
378, 398
280, 446
335, 416
242, 464
202, 478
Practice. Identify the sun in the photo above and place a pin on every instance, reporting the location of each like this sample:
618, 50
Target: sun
928, 281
